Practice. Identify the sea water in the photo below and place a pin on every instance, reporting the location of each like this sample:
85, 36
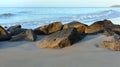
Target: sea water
32, 17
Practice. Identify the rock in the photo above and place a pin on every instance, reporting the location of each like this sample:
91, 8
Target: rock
27, 35
99, 26
61, 39
116, 28
105, 44
48, 29
5, 27
4, 34
14, 30
75, 24
108, 32
113, 45
30, 35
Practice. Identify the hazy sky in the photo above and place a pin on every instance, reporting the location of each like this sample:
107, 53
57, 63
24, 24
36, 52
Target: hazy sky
58, 3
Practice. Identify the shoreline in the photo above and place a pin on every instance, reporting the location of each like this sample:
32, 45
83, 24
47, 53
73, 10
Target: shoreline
83, 53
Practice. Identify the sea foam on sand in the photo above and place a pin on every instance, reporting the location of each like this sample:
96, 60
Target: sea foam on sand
85, 53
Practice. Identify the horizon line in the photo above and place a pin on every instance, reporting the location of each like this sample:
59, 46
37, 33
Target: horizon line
55, 7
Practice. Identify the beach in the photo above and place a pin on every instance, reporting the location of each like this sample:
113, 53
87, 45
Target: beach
85, 53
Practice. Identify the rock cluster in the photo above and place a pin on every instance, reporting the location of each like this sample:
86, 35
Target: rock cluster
60, 36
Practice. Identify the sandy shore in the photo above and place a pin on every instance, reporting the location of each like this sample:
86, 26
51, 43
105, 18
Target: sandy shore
82, 54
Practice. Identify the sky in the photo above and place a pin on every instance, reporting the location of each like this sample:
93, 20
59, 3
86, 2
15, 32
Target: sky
58, 3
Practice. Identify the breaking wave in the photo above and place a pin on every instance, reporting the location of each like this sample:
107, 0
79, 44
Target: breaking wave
104, 14
109, 14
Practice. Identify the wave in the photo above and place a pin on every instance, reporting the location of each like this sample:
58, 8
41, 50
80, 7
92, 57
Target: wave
108, 14
29, 19
5, 15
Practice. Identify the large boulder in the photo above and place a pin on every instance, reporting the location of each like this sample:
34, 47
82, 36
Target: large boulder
75, 24
114, 43
4, 34
27, 35
99, 26
61, 39
14, 30
48, 29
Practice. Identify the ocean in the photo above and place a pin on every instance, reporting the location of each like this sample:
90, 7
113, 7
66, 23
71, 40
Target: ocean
33, 17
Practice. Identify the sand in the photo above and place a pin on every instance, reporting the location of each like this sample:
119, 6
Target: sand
82, 54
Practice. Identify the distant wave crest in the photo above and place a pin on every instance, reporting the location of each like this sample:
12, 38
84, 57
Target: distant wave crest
6, 15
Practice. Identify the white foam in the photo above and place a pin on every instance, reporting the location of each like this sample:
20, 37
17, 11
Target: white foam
116, 20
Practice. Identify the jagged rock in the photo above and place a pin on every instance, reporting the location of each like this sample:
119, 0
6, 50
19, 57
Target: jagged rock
4, 34
61, 39
14, 30
27, 35
75, 24
48, 29
99, 26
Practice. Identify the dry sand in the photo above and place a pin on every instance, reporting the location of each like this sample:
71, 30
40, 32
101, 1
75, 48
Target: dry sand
82, 54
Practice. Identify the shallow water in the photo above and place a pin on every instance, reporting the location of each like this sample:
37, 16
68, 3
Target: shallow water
34, 17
